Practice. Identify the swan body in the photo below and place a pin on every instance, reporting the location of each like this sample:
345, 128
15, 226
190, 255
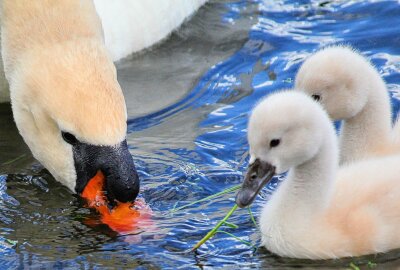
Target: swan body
351, 89
319, 211
130, 26
66, 101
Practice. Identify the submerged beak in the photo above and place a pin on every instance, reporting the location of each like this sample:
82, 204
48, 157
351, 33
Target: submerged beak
116, 163
258, 175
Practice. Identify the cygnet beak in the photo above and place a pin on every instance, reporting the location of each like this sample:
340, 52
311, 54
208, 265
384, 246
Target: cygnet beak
258, 175
121, 179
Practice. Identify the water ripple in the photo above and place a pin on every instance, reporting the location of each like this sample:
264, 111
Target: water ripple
197, 146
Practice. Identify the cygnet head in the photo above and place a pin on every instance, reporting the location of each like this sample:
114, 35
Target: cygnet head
337, 77
71, 112
285, 130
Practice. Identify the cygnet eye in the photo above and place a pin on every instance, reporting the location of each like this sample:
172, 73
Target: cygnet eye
316, 97
274, 142
69, 138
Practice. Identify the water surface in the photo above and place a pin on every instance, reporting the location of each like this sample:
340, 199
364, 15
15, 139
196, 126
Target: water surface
188, 103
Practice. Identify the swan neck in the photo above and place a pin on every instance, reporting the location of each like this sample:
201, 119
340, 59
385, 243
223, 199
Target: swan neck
307, 188
371, 127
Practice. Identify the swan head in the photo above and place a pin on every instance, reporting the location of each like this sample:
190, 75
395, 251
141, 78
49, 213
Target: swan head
285, 130
70, 110
337, 78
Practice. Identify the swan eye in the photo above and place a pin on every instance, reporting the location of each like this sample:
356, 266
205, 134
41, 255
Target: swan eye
316, 97
274, 142
69, 138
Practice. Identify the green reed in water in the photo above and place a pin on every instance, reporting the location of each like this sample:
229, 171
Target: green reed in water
224, 221
215, 229
13, 160
228, 190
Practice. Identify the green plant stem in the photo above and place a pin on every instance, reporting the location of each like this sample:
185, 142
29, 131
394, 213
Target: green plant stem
228, 190
252, 217
353, 266
231, 225
247, 243
371, 264
215, 229
13, 160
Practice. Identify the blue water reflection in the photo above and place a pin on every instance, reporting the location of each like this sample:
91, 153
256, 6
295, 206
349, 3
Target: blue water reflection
197, 146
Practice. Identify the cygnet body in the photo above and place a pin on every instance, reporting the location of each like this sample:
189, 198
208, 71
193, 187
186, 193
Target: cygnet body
351, 89
318, 211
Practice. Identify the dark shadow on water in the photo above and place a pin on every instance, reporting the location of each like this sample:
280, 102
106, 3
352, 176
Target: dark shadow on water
379, 261
45, 220
14, 153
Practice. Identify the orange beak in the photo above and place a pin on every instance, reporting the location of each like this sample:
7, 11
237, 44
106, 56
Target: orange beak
124, 217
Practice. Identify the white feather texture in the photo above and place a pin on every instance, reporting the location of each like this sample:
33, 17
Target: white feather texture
351, 89
321, 211
4, 93
62, 76
130, 26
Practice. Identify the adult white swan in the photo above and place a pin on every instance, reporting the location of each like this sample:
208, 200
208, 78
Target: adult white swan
318, 211
351, 89
66, 101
